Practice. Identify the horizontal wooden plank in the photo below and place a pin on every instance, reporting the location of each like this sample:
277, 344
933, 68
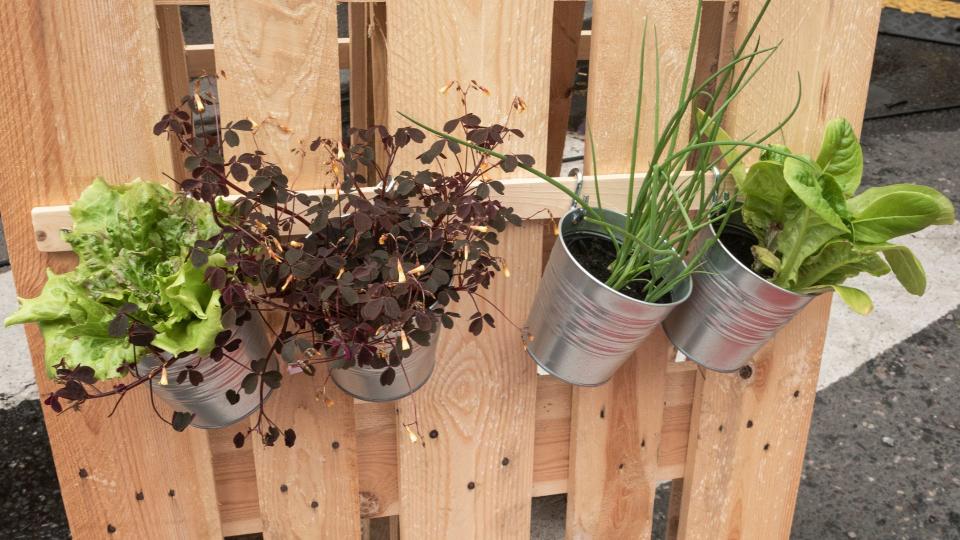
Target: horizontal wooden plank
201, 57
378, 459
530, 198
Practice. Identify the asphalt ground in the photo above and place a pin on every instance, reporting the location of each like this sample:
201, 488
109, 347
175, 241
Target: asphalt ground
882, 457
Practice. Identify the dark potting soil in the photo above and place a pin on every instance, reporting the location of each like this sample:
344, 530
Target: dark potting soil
738, 242
595, 253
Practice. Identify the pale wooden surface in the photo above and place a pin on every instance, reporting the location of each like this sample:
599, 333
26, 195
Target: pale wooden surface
281, 64
481, 398
320, 469
281, 71
63, 129
614, 501
377, 458
735, 467
615, 53
748, 436
613, 459
527, 196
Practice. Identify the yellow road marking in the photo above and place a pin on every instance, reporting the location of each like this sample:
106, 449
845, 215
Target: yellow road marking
935, 8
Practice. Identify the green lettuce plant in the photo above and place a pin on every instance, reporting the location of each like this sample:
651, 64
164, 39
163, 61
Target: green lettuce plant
813, 233
140, 279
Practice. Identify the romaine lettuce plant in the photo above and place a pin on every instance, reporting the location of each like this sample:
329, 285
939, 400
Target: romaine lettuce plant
813, 233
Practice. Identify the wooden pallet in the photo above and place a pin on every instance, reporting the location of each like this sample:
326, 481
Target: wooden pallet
86, 79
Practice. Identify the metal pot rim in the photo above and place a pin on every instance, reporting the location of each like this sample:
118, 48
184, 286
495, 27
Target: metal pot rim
596, 281
751, 273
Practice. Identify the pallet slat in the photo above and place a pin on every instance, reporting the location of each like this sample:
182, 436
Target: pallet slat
755, 461
58, 57
281, 65
481, 397
377, 458
618, 425
281, 70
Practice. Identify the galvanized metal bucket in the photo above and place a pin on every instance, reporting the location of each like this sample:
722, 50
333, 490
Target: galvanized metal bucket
207, 401
579, 329
363, 382
732, 312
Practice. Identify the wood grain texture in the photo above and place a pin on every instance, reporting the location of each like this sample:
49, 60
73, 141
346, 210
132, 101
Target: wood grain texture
615, 67
613, 457
741, 482
310, 490
605, 501
377, 458
64, 129
481, 398
830, 46
529, 197
281, 64
475, 479
748, 436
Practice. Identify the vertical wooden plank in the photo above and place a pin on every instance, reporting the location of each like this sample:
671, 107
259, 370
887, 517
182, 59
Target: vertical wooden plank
282, 71
475, 479
614, 74
281, 65
63, 128
310, 490
619, 501
567, 23
614, 443
176, 81
742, 481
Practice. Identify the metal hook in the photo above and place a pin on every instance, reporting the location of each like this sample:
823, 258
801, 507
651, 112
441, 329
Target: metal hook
578, 189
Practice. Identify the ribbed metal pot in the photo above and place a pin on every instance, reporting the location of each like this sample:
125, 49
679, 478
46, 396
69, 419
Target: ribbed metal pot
363, 382
579, 329
732, 312
207, 401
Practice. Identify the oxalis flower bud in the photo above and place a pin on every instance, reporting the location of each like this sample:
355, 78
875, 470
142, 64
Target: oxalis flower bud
401, 276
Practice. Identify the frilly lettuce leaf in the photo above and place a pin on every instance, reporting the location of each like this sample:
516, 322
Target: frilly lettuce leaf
133, 242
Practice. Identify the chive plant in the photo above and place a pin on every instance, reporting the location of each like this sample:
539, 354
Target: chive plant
663, 216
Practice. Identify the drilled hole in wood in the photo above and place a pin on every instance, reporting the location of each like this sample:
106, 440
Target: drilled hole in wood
172, 493
746, 372
620, 467
83, 473
505, 461
139, 495
471, 485
314, 505
335, 445
643, 443
283, 488
111, 529
766, 447
796, 393
434, 434
603, 412
721, 428
749, 424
